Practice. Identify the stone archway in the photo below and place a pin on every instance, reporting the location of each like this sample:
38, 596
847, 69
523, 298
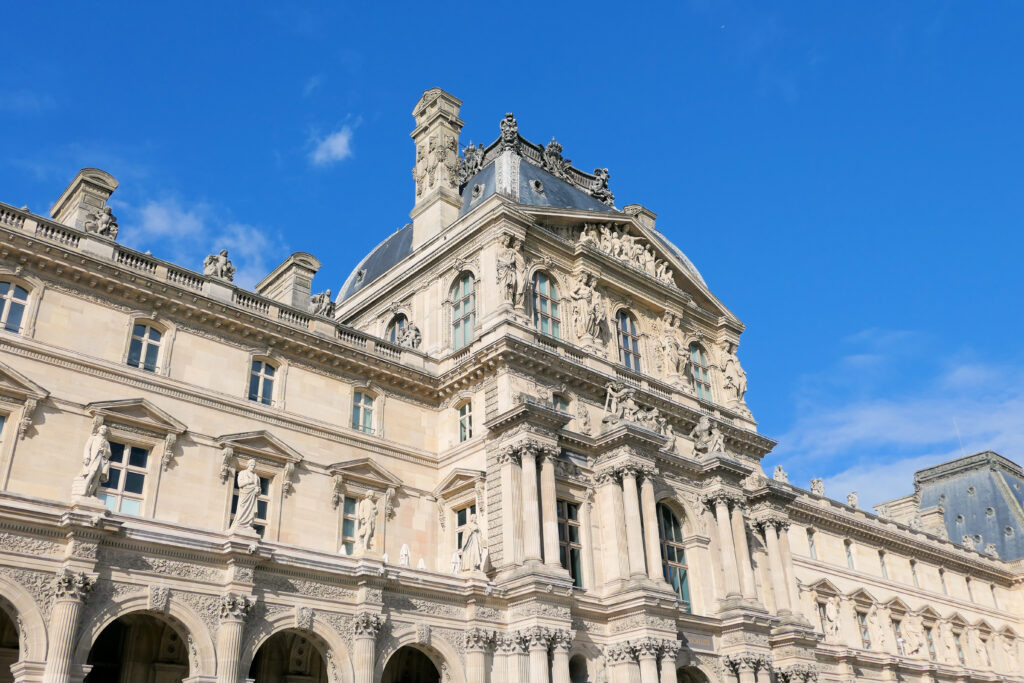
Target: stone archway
324, 638
10, 641
18, 606
441, 653
409, 664
139, 647
690, 674
291, 654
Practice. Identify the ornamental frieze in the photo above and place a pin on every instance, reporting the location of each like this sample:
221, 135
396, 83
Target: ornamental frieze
38, 584
304, 587
408, 604
29, 545
160, 565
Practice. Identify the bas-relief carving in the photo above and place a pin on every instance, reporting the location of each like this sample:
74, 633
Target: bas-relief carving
304, 587
409, 604
159, 565
206, 606
38, 584
30, 545
540, 609
634, 250
707, 438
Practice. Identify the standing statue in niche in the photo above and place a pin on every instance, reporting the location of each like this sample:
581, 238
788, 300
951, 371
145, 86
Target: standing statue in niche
673, 360
832, 620
366, 522
913, 636
707, 439
733, 375
588, 309
472, 549
248, 494
219, 266
512, 271
582, 418
95, 463
102, 223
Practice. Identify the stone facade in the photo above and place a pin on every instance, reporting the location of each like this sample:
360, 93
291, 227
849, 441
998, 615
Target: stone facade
484, 461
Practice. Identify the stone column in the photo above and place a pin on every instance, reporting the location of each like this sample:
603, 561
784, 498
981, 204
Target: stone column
538, 638
739, 532
549, 511
234, 609
613, 539
587, 538
512, 507
531, 516
477, 642
745, 667
365, 628
70, 592
783, 604
787, 565
669, 652
726, 545
622, 665
634, 530
647, 650
649, 508
561, 643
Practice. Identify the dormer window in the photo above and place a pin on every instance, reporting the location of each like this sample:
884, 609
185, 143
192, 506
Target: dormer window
629, 341
13, 301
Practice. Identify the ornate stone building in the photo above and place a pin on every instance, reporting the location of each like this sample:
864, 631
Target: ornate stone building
515, 447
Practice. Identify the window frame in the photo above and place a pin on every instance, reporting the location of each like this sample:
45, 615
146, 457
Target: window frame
266, 497
125, 468
863, 629
35, 288
395, 326
670, 567
465, 421
167, 333
569, 549
812, 548
348, 542
277, 381
881, 563
552, 316
465, 305
631, 359
359, 407
458, 526
700, 372
850, 560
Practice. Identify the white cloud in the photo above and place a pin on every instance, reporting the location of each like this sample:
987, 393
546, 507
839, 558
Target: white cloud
26, 102
335, 147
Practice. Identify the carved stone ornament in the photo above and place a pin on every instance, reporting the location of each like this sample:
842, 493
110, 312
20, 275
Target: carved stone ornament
472, 162
553, 162
818, 486
707, 438
159, 598
851, 499
304, 617
95, 463
780, 475
236, 607
27, 416
321, 304
227, 470
102, 222
367, 624
509, 132
478, 639
423, 633
219, 266
68, 585
168, 455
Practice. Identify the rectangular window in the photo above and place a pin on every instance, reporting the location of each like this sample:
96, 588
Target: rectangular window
984, 649
810, 545
262, 505
462, 516
122, 492
995, 600
849, 554
970, 589
865, 632
466, 421
348, 524
881, 562
261, 382
958, 639
560, 403
144, 347
930, 638
897, 632
942, 580
822, 618
362, 412
569, 543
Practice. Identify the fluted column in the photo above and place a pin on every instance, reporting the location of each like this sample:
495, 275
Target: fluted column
783, 604
477, 641
365, 627
746, 569
548, 509
622, 665
745, 667
787, 564
613, 538
647, 650
649, 508
669, 652
587, 538
234, 610
531, 510
561, 644
70, 592
634, 530
538, 638
726, 545
512, 507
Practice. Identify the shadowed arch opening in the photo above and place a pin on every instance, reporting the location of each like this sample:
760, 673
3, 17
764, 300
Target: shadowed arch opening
139, 647
690, 674
578, 670
289, 655
10, 645
410, 665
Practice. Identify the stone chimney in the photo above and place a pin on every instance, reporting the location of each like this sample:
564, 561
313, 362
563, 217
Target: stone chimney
87, 194
643, 215
437, 164
291, 282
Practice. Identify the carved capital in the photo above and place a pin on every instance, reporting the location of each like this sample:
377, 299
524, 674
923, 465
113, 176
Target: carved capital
537, 637
608, 476
747, 662
669, 651
713, 499
508, 454
478, 639
337, 491
68, 585
797, 673
235, 607
510, 643
561, 639
620, 652
773, 520
647, 648
367, 624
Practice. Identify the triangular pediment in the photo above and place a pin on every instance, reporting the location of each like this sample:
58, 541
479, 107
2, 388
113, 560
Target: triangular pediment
139, 412
458, 480
897, 605
958, 619
260, 442
366, 471
983, 625
825, 587
929, 614
861, 595
13, 383
1007, 632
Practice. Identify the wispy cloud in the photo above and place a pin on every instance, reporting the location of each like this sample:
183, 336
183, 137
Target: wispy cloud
26, 102
335, 147
312, 83
186, 233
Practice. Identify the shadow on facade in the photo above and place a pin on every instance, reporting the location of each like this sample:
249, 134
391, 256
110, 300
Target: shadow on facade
138, 647
286, 656
409, 665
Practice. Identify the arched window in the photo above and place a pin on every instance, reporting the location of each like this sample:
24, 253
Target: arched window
701, 372
13, 300
144, 348
629, 341
395, 329
463, 299
261, 382
545, 306
673, 557
362, 412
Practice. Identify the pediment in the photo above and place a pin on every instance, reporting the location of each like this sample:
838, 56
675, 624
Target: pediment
825, 587
13, 383
458, 480
366, 471
929, 614
261, 443
957, 619
983, 625
1007, 632
138, 412
895, 604
862, 595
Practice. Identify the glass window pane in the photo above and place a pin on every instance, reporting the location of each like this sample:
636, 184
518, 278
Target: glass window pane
268, 369
348, 528
254, 388
135, 352
154, 335
130, 506
264, 486
14, 317
234, 503
20, 293
137, 457
261, 509
133, 482
116, 452
350, 506
257, 366
151, 353
268, 391
4, 288
113, 479
109, 501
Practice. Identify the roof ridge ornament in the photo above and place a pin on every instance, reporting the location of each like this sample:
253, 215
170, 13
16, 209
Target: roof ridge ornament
509, 133
554, 162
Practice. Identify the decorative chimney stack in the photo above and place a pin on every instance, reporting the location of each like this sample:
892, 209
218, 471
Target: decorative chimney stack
291, 282
84, 201
437, 164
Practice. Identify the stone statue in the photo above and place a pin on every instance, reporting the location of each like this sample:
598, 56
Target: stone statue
472, 548
366, 522
410, 336
818, 486
512, 271
219, 266
851, 499
878, 633
599, 190
671, 445
916, 524
913, 636
95, 464
733, 376
582, 418
102, 223
456, 563
1010, 653
615, 393
404, 556
707, 439
832, 620
673, 360
992, 551
553, 161
321, 304
248, 492
588, 308
472, 161
968, 542
509, 132
780, 475
949, 644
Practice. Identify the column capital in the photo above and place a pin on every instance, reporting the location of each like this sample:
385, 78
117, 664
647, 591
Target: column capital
747, 661
510, 643
670, 649
478, 639
712, 499
68, 585
604, 477
773, 520
367, 624
561, 639
797, 673
235, 607
537, 637
647, 648
508, 454
620, 652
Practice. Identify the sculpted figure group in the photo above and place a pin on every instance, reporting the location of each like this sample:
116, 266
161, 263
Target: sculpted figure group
102, 223
219, 266
634, 250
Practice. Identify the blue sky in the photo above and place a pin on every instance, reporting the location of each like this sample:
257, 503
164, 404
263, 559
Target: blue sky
846, 176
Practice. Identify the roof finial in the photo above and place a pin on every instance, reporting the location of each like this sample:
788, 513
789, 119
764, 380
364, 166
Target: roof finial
509, 133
